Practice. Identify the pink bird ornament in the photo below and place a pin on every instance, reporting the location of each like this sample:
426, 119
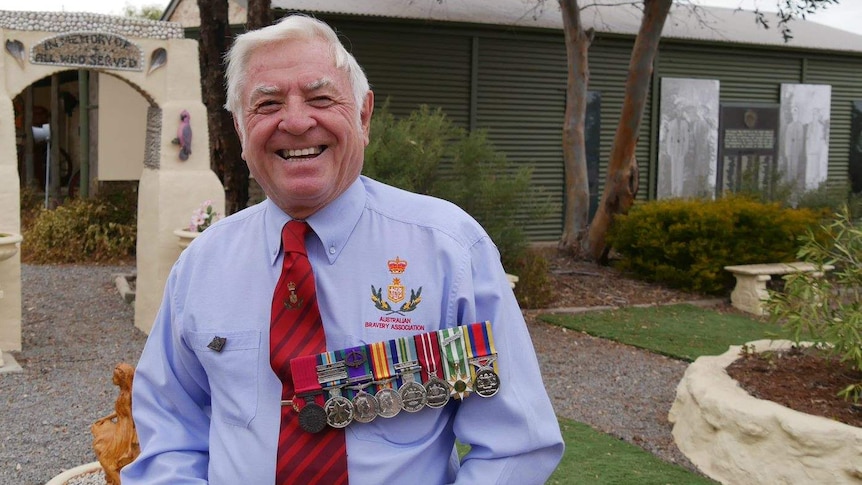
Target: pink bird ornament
184, 136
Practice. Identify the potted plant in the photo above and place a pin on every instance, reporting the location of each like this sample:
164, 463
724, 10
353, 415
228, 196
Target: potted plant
202, 218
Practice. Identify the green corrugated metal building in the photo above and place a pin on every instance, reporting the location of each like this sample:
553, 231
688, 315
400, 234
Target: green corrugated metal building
501, 65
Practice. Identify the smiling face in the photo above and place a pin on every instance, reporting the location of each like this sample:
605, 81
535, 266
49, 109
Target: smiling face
303, 136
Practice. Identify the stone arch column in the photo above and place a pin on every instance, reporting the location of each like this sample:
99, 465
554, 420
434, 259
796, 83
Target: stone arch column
156, 60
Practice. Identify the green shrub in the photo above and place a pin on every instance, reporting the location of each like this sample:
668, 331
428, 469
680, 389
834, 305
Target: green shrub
483, 182
407, 152
534, 288
426, 153
827, 310
80, 231
31, 202
686, 243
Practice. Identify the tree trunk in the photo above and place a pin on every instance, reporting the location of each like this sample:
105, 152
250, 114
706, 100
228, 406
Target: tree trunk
224, 147
622, 182
259, 14
577, 197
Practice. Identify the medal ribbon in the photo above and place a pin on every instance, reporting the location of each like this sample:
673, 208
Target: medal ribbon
406, 352
304, 372
326, 371
480, 343
358, 367
381, 363
327, 359
453, 351
428, 353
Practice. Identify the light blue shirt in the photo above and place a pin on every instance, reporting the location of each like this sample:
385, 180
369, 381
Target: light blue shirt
206, 415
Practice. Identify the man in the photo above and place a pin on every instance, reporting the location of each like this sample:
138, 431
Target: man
207, 403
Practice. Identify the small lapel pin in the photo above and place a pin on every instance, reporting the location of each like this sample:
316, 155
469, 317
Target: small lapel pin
217, 344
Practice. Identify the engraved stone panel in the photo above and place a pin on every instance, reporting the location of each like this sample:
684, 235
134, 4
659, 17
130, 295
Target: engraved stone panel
593, 131
748, 145
688, 138
803, 152
856, 147
89, 49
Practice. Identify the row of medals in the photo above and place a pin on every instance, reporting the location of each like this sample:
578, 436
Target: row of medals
411, 396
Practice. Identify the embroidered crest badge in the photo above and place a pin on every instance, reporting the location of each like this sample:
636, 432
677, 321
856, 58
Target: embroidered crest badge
396, 292
293, 301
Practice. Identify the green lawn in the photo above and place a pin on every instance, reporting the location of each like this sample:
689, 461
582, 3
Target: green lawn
594, 458
680, 331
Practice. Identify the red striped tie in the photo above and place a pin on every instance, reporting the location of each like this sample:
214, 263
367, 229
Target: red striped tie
297, 330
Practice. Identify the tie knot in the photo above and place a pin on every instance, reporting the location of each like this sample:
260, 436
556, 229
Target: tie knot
293, 236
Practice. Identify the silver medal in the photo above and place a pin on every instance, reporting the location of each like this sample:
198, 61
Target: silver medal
339, 411
437, 392
365, 407
413, 396
389, 401
487, 382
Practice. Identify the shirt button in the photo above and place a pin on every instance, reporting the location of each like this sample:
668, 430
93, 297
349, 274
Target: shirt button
331, 249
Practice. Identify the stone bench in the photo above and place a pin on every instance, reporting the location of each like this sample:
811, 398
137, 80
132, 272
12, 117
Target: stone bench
750, 291
512, 280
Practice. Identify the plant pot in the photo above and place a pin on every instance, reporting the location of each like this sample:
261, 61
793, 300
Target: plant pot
9, 245
185, 237
70, 476
734, 437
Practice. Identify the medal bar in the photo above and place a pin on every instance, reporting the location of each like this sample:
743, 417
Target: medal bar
409, 373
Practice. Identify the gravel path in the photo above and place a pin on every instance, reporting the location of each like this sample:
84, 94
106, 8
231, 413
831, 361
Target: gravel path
77, 327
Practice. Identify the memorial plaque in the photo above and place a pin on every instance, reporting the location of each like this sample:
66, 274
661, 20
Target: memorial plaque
688, 138
856, 147
592, 134
89, 49
803, 149
748, 144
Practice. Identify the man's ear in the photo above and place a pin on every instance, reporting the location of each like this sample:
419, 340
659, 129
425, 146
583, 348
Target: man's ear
240, 135
366, 110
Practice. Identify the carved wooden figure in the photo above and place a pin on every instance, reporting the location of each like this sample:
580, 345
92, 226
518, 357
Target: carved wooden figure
115, 440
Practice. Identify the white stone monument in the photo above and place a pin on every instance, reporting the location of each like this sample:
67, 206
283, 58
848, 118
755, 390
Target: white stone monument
153, 58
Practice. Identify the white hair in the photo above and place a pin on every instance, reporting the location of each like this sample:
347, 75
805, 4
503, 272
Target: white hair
291, 27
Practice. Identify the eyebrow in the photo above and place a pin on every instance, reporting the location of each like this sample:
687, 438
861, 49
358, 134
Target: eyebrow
317, 84
263, 91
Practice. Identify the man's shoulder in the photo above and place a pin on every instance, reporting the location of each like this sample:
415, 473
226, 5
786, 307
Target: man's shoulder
405, 207
382, 192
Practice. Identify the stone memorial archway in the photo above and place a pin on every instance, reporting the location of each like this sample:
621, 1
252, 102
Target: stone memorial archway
153, 58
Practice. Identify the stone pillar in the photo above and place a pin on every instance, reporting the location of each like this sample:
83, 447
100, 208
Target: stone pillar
10, 223
171, 189
166, 200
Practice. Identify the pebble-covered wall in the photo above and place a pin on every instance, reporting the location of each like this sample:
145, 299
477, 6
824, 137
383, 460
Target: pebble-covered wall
62, 22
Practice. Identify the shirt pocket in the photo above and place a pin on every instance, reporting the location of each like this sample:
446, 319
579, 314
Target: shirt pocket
231, 373
405, 429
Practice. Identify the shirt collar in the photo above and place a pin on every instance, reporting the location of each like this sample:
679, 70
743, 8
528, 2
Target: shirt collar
333, 224
274, 221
